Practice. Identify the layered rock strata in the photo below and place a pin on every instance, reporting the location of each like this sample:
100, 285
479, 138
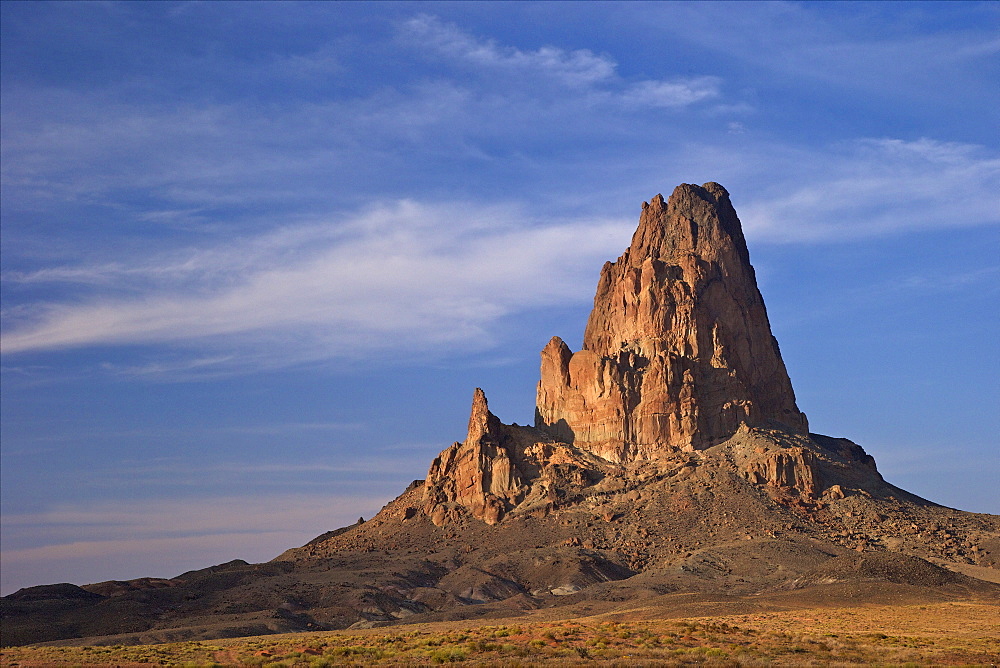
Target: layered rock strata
678, 351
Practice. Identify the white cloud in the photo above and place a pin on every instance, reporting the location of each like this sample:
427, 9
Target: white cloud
963, 479
676, 93
235, 543
151, 518
391, 463
403, 276
900, 52
580, 69
574, 68
873, 187
185, 162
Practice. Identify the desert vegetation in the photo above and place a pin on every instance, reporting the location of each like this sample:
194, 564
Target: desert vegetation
951, 633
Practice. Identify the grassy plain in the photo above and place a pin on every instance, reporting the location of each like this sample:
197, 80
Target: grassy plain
952, 633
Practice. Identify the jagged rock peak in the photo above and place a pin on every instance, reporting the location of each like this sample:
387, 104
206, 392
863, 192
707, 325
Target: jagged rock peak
477, 474
678, 351
481, 421
498, 468
694, 219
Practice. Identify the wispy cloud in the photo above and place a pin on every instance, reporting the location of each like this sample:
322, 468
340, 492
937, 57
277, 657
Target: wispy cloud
961, 478
402, 275
378, 464
873, 187
286, 427
188, 157
411, 276
234, 543
918, 55
160, 517
575, 68
580, 69
672, 93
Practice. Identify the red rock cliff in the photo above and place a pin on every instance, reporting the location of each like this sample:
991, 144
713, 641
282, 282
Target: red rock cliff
678, 350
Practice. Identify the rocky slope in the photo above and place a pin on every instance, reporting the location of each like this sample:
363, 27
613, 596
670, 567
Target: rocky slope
668, 464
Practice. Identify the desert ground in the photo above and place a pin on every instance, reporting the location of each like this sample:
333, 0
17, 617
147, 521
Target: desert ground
803, 634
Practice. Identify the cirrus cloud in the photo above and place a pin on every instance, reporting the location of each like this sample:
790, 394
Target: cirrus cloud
400, 276
579, 69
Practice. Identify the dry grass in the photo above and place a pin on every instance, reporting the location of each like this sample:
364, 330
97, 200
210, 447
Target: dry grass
932, 634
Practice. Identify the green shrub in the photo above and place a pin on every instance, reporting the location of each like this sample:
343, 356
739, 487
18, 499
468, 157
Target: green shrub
453, 655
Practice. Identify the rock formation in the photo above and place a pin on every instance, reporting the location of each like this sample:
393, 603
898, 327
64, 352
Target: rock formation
478, 473
677, 357
498, 467
678, 350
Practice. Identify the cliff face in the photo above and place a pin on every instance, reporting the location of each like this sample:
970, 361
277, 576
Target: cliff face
678, 350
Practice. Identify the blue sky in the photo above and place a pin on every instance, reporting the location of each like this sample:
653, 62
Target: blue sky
255, 257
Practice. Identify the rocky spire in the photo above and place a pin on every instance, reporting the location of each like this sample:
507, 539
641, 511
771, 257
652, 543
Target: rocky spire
678, 350
478, 473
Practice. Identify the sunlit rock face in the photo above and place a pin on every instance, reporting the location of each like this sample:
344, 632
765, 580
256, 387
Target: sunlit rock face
678, 351
677, 356
479, 473
499, 467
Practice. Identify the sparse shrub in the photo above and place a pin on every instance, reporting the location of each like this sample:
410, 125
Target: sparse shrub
479, 646
450, 655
